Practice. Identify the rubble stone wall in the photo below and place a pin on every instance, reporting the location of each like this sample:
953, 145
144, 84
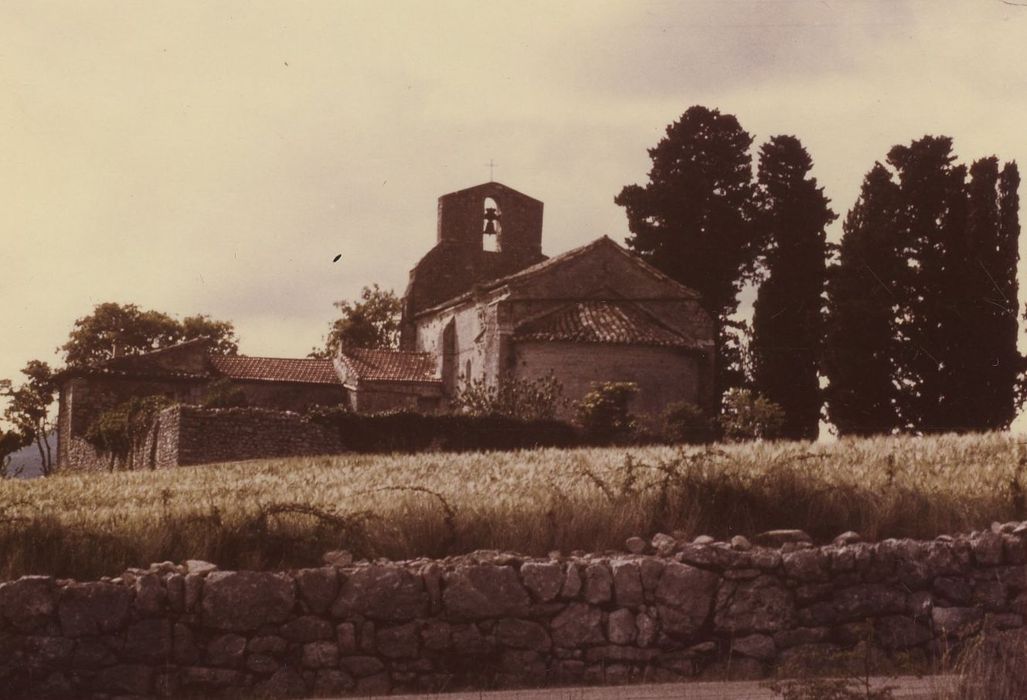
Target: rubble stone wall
676, 611
229, 434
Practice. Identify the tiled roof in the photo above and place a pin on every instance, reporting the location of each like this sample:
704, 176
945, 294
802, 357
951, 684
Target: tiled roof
276, 369
548, 264
390, 365
600, 322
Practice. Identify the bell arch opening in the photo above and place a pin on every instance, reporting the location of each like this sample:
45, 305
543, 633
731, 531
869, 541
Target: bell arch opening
491, 226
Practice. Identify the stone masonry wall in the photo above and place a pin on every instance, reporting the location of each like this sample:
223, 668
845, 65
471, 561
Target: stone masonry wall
222, 435
673, 611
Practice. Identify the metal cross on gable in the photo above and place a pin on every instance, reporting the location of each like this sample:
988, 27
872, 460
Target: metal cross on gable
492, 167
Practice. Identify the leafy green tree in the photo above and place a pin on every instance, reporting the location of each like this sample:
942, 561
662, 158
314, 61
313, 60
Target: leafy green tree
114, 329
692, 219
28, 409
787, 320
371, 322
860, 338
684, 422
10, 442
749, 416
604, 413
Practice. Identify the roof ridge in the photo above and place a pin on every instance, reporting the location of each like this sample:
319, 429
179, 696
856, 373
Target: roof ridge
158, 351
267, 357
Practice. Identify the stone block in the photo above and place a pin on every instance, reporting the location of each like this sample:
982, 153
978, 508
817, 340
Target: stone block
150, 641
399, 641
543, 579
621, 627
598, 583
93, 608
482, 591
150, 596
579, 625
307, 628
382, 592
522, 634
28, 602
226, 650
318, 588
683, 598
320, 655
760, 605
627, 583
246, 600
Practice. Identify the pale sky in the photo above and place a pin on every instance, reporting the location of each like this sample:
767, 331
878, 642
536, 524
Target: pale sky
214, 157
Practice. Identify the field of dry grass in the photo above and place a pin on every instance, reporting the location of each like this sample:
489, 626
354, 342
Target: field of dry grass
285, 513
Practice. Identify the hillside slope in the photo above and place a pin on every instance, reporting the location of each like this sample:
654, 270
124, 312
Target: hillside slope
282, 513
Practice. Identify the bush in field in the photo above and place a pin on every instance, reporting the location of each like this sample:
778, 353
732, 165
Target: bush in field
527, 399
684, 422
603, 412
749, 416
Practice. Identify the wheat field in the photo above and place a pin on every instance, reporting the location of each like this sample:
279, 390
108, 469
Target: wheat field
287, 512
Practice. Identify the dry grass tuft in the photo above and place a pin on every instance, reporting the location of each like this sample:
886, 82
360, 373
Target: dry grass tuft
287, 512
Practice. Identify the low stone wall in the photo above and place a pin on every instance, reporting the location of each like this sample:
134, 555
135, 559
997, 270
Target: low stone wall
229, 434
491, 619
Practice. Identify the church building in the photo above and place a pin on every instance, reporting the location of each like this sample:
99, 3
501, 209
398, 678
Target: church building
485, 304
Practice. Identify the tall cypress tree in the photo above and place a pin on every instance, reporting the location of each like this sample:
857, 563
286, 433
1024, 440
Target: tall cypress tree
949, 265
788, 315
932, 215
860, 340
988, 360
1007, 370
692, 219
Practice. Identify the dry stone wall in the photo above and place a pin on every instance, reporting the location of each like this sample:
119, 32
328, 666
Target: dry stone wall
222, 435
674, 611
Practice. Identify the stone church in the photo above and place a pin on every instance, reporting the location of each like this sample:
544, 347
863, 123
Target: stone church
483, 304
486, 304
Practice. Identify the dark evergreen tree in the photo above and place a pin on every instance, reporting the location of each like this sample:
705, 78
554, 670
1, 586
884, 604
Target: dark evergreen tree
692, 219
860, 341
950, 268
930, 218
788, 315
1009, 373
986, 364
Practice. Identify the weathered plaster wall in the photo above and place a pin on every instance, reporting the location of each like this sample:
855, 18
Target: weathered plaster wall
494, 619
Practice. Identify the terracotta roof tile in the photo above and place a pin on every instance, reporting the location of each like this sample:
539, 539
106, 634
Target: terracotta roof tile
276, 369
390, 365
600, 322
